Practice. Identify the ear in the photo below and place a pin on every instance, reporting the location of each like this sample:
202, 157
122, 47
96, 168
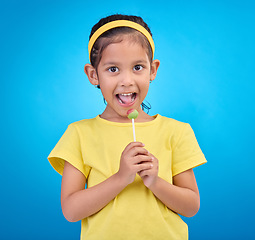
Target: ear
154, 68
91, 74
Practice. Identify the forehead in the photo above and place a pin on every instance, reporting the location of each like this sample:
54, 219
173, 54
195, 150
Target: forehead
133, 37
125, 49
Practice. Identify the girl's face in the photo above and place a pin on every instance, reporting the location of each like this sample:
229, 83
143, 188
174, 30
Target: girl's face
124, 73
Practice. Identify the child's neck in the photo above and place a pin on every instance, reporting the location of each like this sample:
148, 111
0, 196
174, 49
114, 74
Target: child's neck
142, 117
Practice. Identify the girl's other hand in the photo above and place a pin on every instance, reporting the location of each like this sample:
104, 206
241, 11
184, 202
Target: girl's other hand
135, 158
149, 176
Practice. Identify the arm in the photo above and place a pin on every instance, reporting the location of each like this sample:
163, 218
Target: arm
78, 203
181, 197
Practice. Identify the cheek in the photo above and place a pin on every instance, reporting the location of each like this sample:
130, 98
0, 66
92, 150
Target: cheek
144, 89
106, 88
146, 85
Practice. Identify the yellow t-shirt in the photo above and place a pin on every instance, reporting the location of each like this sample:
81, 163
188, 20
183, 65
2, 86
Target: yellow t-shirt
94, 147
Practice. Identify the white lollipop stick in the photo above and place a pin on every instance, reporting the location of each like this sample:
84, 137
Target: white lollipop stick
133, 124
133, 114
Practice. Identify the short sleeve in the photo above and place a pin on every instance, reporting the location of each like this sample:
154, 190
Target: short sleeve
187, 153
68, 149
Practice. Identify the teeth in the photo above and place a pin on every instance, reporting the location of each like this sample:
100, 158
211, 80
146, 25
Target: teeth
120, 100
126, 94
133, 96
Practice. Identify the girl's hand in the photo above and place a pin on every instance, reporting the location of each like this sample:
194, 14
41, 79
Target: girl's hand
149, 176
135, 158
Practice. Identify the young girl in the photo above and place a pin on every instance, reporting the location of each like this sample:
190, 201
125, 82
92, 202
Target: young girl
135, 190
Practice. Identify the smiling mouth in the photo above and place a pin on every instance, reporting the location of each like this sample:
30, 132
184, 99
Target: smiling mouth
126, 98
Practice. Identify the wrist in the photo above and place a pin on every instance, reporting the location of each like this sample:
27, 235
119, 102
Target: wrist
119, 180
154, 184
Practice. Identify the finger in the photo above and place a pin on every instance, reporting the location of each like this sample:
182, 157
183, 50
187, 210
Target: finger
146, 172
143, 167
140, 159
154, 159
138, 151
150, 154
132, 145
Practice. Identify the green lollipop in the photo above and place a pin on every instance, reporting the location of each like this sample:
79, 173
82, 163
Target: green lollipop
133, 114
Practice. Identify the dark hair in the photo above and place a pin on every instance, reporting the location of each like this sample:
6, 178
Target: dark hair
115, 35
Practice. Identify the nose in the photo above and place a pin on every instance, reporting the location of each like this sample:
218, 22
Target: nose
127, 79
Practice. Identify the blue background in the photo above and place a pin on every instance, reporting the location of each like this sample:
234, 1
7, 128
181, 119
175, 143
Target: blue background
206, 78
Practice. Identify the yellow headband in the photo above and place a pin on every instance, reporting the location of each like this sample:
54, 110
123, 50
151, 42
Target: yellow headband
121, 23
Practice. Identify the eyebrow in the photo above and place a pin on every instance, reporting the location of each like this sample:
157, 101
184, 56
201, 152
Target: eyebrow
117, 63
110, 63
141, 61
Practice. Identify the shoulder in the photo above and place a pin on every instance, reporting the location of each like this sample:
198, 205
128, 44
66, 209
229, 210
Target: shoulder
172, 123
85, 127
82, 123
175, 129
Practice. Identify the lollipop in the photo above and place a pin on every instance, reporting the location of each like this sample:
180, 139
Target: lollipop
133, 114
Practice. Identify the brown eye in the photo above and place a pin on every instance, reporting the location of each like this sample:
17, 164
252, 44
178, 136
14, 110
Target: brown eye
113, 69
138, 67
